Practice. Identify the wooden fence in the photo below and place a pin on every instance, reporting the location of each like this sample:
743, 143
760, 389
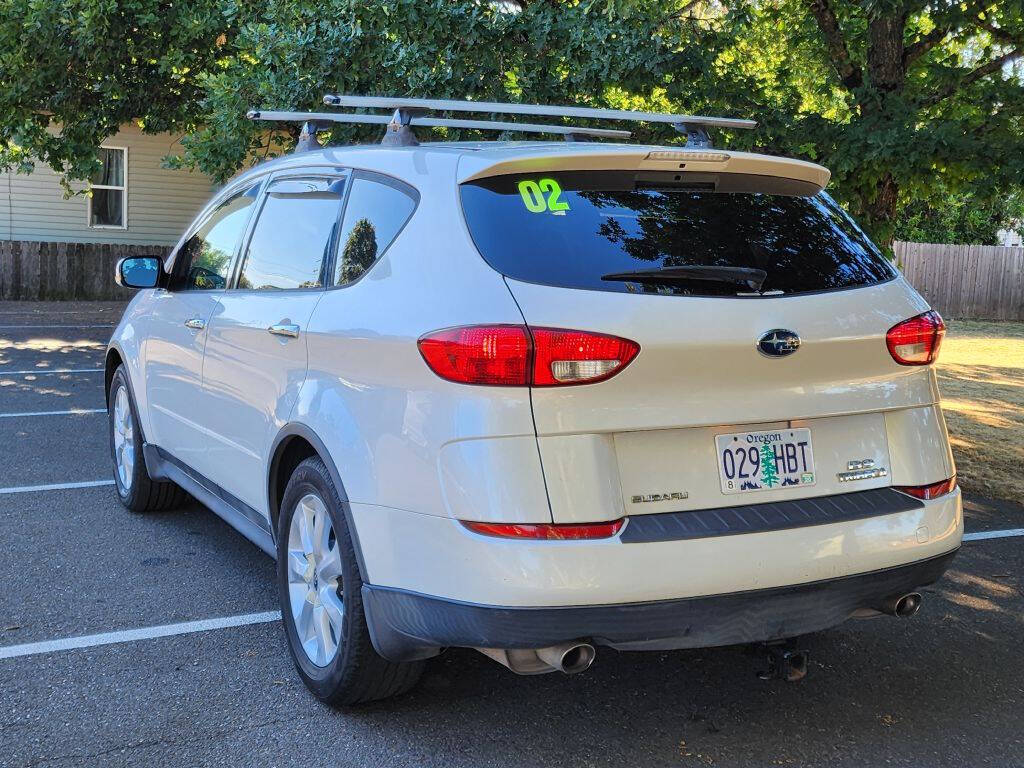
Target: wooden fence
47, 271
981, 282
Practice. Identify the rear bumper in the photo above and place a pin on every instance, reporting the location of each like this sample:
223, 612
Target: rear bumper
407, 625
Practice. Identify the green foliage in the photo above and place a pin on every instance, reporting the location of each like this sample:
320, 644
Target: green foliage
359, 253
904, 100
966, 218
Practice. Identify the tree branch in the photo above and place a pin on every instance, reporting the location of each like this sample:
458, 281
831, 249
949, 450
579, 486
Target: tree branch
919, 48
850, 74
973, 76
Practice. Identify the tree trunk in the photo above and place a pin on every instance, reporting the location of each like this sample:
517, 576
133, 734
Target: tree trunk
881, 211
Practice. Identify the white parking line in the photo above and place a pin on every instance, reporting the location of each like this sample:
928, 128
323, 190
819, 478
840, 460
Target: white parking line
980, 535
33, 325
72, 412
50, 370
55, 486
131, 635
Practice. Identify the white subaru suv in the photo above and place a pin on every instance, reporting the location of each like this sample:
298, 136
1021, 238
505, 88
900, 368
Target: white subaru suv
537, 397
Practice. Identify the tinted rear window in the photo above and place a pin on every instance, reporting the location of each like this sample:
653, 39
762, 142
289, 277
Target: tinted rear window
571, 229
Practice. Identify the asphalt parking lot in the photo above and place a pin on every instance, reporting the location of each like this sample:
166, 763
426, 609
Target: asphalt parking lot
943, 688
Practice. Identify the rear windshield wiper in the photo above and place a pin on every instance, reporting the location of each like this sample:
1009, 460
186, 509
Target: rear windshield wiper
749, 276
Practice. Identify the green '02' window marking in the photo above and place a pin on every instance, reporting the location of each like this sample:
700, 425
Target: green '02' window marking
542, 195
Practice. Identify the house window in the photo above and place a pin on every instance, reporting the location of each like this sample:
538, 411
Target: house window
108, 206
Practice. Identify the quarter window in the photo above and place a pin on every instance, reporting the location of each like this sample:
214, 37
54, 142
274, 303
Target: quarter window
203, 261
294, 234
376, 212
108, 203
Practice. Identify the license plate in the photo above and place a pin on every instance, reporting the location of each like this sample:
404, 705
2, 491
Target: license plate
761, 461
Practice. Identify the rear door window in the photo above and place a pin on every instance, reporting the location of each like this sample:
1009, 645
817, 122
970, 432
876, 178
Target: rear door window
294, 235
675, 234
378, 207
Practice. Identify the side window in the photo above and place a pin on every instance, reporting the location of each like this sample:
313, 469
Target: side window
376, 212
204, 259
293, 235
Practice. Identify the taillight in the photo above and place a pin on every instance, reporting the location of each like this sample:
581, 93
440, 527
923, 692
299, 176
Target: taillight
515, 355
548, 531
932, 491
916, 341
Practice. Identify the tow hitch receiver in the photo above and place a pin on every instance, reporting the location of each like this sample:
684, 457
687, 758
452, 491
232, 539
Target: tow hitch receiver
784, 663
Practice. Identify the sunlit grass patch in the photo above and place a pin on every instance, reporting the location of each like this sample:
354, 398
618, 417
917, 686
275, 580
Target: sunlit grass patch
981, 377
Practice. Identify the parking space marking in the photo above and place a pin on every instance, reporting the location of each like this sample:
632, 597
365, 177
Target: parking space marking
980, 535
33, 325
55, 486
131, 635
72, 412
50, 370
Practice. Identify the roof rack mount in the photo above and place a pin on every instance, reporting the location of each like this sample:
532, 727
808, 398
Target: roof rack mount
407, 112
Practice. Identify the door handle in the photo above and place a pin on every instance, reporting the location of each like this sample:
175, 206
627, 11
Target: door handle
284, 329
195, 323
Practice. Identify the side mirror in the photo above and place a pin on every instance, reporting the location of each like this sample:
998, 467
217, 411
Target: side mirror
138, 272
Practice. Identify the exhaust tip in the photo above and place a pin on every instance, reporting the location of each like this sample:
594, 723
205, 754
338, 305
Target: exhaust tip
908, 605
578, 658
570, 658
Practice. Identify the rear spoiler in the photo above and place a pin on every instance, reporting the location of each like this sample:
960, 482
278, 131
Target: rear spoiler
611, 157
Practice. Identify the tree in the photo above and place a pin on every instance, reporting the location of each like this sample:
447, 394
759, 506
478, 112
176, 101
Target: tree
769, 472
905, 100
959, 217
74, 71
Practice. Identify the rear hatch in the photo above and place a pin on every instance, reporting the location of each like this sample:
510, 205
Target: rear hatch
761, 313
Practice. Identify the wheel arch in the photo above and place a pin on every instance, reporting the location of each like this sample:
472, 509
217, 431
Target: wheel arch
293, 444
114, 358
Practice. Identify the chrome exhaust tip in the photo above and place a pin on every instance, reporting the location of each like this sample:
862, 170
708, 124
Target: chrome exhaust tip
903, 606
568, 658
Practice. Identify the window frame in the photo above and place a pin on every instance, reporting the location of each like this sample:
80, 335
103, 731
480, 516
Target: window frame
124, 195
381, 178
332, 173
205, 215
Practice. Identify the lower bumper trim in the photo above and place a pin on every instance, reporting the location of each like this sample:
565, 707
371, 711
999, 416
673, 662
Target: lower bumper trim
407, 625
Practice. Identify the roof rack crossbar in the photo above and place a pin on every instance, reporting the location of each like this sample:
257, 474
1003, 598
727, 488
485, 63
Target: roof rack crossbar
399, 132
589, 113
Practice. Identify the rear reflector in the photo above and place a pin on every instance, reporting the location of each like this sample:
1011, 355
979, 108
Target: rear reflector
548, 531
515, 355
932, 491
916, 341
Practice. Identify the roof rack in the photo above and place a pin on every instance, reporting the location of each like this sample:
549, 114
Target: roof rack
408, 112
693, 126
400, 134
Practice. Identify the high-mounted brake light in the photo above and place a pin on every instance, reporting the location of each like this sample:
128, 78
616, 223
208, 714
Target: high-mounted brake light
515, 355
916, 341
548, 531
926, 492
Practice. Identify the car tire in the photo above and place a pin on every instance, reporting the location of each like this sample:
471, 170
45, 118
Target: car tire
136, 490
320, 587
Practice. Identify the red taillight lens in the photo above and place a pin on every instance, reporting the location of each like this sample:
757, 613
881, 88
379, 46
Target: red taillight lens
547, 530
932, 491
514, 355
916, 341
577, 357
481, 354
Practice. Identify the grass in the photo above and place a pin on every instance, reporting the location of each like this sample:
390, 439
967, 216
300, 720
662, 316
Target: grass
981, 377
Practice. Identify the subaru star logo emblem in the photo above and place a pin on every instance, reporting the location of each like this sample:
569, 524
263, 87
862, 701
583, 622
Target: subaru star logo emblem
778, 342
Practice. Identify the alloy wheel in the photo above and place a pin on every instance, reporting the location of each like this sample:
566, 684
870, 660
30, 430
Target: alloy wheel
124, 439
315, 581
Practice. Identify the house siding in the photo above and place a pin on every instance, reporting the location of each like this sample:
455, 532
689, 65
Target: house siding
161, 202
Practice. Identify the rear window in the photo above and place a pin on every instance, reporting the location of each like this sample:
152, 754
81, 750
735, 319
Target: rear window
677, 234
